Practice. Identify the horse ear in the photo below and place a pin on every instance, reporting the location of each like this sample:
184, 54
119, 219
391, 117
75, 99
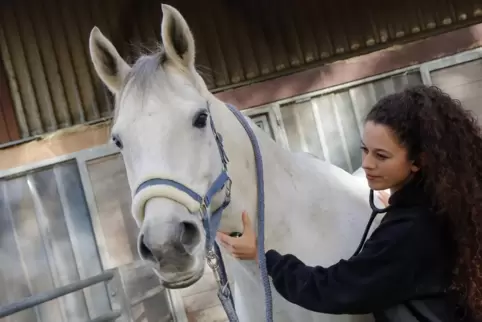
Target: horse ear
108, 64
176, 37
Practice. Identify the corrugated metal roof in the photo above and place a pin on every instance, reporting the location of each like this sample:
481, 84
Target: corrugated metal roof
8, 123
44, 44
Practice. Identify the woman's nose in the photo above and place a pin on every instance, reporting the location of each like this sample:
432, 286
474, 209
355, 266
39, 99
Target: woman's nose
368, 163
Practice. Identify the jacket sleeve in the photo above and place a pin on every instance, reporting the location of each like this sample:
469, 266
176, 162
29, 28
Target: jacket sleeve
381, 275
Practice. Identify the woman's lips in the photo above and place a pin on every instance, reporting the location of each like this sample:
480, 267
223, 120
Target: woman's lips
371, 177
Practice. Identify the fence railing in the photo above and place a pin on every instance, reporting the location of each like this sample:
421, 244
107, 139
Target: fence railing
37, 299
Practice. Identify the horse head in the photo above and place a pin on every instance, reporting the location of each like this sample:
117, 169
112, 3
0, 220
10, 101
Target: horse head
172, 153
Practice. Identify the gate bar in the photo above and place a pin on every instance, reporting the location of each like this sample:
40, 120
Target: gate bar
110, 316
31, 301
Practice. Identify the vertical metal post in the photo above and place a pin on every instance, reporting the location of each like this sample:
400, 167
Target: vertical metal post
118, 297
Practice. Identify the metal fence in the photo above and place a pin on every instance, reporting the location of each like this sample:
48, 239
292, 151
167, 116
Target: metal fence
64, 228
41, 298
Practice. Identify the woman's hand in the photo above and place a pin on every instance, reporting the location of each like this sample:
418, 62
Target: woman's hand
243, 247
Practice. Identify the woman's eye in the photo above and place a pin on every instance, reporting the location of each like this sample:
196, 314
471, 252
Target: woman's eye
200, 120
117, 141
382, 157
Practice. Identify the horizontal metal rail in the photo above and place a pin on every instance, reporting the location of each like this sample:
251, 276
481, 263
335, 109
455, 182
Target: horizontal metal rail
110, 316
43, 297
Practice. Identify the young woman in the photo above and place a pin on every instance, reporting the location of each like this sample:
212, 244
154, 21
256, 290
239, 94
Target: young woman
424, 259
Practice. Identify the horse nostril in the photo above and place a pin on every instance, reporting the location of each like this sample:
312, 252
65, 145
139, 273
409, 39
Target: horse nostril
190, 236
145, 251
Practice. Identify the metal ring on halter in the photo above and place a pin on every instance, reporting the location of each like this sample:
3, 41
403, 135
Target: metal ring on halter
203, 208
212, 259
228, 190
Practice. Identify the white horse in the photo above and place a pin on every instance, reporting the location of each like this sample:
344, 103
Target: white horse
314, 210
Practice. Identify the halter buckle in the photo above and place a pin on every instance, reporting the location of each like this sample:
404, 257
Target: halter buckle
212, 260
203, 207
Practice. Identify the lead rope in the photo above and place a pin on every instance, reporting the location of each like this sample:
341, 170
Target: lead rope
224, 292
214, 257
260, 206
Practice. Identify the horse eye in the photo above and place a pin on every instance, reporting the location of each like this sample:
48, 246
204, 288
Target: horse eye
117, 141
200, 120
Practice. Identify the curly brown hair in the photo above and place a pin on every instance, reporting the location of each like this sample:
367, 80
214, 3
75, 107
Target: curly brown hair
446, 140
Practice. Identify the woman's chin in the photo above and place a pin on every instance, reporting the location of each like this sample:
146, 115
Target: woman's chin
377, 186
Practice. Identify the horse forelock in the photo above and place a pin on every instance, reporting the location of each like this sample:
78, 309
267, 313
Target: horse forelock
144, 71
141, 76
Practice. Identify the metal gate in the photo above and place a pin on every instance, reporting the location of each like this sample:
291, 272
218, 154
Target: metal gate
67, 244
109, 277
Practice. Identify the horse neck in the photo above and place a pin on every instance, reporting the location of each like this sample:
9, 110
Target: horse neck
242, 167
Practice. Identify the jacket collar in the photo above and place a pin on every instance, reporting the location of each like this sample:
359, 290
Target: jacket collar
411, 194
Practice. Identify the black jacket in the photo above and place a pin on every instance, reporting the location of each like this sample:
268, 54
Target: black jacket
401, 273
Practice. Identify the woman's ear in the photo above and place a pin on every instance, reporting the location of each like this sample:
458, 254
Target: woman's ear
415, 168
418, 162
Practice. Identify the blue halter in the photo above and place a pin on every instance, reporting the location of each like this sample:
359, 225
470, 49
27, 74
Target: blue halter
211, 220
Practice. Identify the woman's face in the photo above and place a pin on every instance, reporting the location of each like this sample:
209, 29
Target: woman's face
384, 159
